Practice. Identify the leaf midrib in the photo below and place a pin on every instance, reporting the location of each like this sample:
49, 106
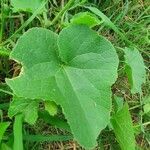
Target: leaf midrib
77, 98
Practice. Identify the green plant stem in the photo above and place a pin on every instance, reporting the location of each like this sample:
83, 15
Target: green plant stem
144, 124
67, 6
134, 107
17, 129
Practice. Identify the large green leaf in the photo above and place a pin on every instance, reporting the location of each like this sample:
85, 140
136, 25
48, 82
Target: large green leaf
123, 128
135, 69
26, 106
75, 69
26, 5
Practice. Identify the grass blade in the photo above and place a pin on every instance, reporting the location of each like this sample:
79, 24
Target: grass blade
3, 127
123, 12
109, 23
50, 138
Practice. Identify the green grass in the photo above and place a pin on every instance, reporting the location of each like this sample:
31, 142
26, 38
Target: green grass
130, 25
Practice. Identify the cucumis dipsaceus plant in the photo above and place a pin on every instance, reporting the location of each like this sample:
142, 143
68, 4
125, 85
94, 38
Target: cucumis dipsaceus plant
76, 69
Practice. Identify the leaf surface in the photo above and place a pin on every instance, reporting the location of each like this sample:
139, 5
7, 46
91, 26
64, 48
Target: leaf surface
28, 107
86, 18
135, 69
123, 128
75, 69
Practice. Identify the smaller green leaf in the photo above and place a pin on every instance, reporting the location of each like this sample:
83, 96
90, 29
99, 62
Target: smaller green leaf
51, 107
26, 106
26, 5
123, 128
54, 121
135, 69
118, 103
3, 127
85, 18
146, 106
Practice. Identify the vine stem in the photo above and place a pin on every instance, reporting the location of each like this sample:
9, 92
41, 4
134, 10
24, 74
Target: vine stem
60, 13
17, 128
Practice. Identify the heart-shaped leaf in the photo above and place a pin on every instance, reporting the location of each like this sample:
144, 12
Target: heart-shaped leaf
75, 69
